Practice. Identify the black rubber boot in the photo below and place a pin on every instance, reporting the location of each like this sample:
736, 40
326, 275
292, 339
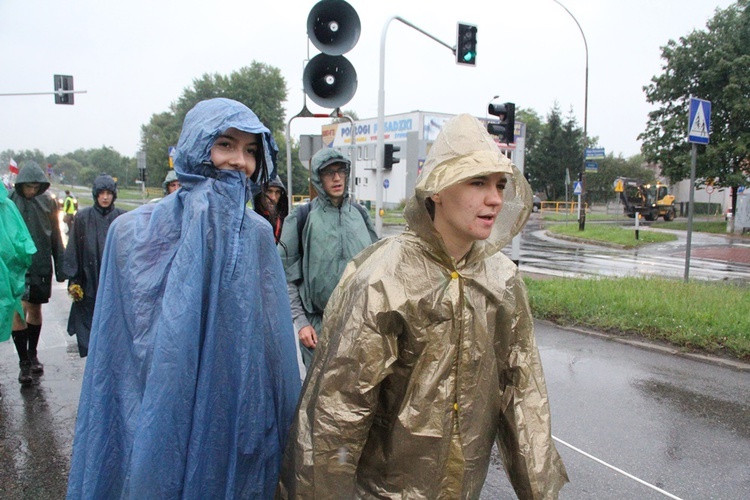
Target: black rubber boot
34, 331
24, 376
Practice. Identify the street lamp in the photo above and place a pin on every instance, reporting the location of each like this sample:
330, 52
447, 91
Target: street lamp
581, 211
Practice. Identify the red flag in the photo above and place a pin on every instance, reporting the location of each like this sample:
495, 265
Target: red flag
13, 166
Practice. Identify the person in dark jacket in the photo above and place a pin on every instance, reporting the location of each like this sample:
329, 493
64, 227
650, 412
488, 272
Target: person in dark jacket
273, 205
40, 213
83, 257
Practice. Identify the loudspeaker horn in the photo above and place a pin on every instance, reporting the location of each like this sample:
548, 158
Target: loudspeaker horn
330, 81
333, 27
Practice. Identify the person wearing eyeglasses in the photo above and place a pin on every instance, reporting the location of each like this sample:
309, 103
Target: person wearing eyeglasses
317, 242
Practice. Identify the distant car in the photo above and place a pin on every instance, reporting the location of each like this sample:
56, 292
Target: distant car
537, 204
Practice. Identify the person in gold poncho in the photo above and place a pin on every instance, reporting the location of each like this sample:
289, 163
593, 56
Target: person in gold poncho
429, 355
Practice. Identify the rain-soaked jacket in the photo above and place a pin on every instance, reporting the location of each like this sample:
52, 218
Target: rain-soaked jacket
16, 249
425, 361
83, 258
40, 214
191, 379
331, 237
276, 215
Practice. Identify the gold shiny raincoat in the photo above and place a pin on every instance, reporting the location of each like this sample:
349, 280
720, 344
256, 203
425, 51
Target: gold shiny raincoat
426, 361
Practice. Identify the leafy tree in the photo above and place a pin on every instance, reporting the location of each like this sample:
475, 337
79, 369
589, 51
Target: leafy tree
714, 65
259, 86
559, 146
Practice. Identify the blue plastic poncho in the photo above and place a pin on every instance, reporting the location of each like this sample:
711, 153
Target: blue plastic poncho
192, 378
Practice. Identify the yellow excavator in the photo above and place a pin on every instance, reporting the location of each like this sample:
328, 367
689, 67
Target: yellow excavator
650, 200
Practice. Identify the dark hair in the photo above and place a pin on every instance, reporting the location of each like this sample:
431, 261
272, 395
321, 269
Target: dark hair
430, 206
260, 176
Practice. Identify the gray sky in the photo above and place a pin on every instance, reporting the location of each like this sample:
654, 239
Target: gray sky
135, 57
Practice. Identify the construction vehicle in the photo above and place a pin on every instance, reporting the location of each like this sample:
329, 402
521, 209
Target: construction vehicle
650, 200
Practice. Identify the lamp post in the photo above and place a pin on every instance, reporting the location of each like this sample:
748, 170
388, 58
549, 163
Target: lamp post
581, 211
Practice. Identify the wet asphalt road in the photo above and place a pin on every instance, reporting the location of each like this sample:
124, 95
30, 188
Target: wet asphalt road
681, 424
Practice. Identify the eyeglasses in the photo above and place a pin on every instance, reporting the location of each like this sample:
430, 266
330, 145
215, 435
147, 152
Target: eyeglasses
331, 173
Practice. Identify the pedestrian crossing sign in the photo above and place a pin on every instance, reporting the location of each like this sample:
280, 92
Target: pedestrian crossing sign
699, 123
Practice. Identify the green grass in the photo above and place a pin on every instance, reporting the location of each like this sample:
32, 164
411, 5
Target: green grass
573, 217
611, 234
702, 226
700, 316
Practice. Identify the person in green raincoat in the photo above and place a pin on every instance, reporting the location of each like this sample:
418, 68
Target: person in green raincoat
16, 249
428, 355
335, 230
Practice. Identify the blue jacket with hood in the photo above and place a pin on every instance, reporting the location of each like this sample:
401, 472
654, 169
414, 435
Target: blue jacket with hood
192, 379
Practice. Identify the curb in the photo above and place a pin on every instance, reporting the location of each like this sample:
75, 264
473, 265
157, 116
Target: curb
650, 346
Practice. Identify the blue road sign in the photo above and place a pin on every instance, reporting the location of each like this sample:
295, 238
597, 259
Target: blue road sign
594, 153
386, 183
699, 123
577, 188
592, 166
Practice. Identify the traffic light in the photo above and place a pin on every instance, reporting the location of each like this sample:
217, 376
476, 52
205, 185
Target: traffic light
388, 158
466, 44
143, 175
63, 82
505, 129
329, 79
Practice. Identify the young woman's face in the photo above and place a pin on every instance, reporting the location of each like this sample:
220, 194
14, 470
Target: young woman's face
104, 198
236, 150
466, 212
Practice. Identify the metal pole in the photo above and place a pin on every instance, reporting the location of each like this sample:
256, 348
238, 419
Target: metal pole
379, 150
691, 198
380, 146
581, 210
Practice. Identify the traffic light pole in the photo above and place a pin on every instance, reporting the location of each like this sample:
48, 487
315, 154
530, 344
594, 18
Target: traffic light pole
581, 209
380, 149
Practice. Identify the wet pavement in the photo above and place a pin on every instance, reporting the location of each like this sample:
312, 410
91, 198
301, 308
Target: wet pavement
37, 423
681, 424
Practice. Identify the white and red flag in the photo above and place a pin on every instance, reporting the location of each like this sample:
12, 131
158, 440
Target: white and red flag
13, 166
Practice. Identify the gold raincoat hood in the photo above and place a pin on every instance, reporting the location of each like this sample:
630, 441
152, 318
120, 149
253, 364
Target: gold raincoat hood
426, 362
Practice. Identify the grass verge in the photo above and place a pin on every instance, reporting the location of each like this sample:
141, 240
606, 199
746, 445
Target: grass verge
607, 233
708, 317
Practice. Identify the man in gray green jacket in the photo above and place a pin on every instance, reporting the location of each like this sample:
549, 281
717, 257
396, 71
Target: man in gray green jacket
333, 230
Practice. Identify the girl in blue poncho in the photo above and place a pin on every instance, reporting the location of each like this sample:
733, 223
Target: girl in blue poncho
192, 378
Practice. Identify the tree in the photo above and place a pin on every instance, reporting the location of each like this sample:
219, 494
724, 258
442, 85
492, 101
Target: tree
559, 146
714, 65
259, 86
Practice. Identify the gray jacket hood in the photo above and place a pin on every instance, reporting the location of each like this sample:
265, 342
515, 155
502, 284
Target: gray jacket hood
31, 172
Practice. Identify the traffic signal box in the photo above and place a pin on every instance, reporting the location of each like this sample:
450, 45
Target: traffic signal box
505, 129
389, 160
63, 82
466, 44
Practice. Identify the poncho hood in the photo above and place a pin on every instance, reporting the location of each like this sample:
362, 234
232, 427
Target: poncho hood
462, 151
170, 177
321, 159
104, 182
203, 124
31, 172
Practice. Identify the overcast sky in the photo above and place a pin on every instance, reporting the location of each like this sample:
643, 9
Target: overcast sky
135, 57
